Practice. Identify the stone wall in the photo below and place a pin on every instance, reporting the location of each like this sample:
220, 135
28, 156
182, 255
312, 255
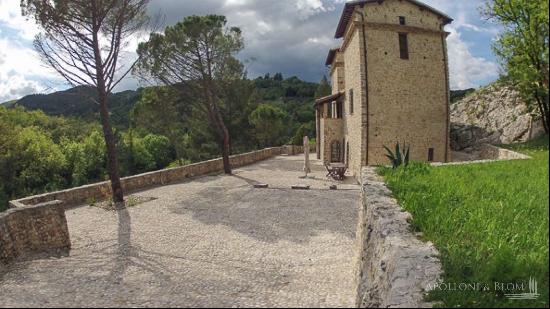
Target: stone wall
408, 98
490, 152
394, 266
75, 196
36, 228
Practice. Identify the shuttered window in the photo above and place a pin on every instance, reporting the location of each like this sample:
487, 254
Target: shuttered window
402, 20
403, 46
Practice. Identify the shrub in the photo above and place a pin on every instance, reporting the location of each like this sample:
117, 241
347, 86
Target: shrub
399, 157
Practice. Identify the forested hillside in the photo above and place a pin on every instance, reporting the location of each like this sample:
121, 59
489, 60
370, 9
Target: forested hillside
54, 141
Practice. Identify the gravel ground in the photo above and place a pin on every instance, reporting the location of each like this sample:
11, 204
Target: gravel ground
211, 242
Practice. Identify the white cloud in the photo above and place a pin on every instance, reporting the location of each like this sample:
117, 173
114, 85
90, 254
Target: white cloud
10, 16
466, 69
22, 71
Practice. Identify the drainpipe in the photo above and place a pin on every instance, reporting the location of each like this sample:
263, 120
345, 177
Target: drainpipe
447, 96
363, 25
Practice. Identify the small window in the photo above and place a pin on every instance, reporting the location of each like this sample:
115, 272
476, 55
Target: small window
329, 110
351, 101
430, 155
339, 109
335, 152
402, 20
403, 46
347, 154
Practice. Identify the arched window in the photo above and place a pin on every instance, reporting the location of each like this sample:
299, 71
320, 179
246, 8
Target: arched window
335, 151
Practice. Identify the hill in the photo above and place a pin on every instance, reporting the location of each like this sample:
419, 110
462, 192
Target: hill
292, 93
80, 102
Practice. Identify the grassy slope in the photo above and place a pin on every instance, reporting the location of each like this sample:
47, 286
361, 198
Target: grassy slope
489, 222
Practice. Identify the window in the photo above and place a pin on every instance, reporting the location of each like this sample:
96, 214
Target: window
335, 152
351, 101
403, 46
347, 154
402, 20
339, 109
430, 155
329, 110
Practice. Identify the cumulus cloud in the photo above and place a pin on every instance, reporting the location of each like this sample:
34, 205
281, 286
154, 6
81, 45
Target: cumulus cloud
464, 68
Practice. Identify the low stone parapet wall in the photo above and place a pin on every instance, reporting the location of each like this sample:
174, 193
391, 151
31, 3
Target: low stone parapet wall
395, 267
75, 196
36, 228
486, 153
490, 152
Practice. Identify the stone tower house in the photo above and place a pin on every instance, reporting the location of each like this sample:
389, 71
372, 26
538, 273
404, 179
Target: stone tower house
390, 83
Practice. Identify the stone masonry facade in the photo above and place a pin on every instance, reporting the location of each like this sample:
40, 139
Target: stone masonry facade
390, 83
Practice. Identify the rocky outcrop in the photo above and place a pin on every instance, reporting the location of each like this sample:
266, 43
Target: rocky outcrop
495, 114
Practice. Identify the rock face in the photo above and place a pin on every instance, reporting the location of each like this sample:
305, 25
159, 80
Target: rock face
495, 115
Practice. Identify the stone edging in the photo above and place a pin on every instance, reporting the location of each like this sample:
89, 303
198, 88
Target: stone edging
394, 266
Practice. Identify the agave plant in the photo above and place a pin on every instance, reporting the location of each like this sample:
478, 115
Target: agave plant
400, 157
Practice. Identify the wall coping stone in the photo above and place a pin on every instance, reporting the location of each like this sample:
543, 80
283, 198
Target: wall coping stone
78, 195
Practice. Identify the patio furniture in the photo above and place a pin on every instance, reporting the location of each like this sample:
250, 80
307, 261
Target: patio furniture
336, 171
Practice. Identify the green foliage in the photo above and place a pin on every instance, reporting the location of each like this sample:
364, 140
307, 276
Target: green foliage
34, 163
523, 48
134, 155
324, 88
488, 221
86, 159
158, 147
268, 122
399, 157
307, 129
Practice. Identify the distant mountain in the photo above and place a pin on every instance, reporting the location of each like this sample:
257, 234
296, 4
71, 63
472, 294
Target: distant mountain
8, 104
80, 102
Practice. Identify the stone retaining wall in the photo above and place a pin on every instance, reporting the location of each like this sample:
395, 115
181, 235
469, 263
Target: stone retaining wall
36, 228
394, 265
487, 153
490, 152
79, 195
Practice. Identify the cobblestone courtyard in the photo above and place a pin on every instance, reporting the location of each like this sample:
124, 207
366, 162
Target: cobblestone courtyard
211, 242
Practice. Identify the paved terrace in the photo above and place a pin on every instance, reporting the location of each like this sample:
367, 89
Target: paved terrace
210, 242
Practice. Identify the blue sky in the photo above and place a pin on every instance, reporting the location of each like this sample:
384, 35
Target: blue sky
288, 36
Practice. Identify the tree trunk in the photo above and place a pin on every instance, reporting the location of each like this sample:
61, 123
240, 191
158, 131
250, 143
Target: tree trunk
215, 116
543, 109
112, 158
226, 149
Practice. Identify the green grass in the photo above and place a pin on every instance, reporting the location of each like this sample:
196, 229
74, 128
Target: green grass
489, 222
